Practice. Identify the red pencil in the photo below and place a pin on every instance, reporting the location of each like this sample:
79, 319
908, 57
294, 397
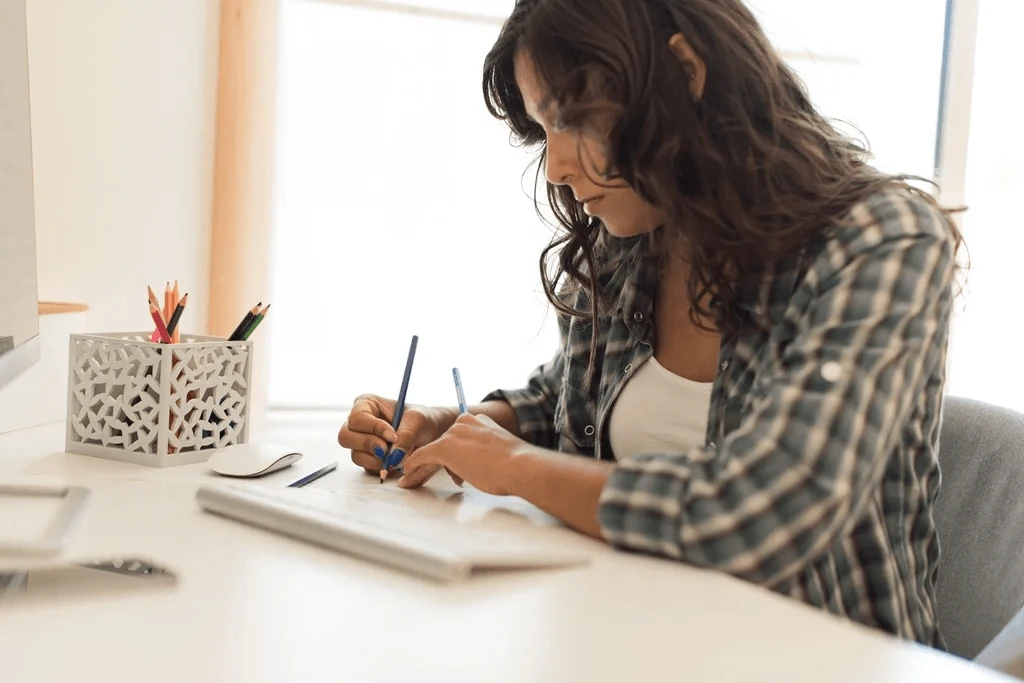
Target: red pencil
160, 327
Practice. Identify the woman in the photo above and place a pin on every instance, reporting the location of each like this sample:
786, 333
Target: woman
754, 320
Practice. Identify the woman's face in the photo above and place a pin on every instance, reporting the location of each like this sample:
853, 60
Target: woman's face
577, 160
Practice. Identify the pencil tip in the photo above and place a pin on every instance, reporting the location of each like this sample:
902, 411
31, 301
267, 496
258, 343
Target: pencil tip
383, 475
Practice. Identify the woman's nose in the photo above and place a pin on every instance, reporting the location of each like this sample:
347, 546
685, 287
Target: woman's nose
561, 160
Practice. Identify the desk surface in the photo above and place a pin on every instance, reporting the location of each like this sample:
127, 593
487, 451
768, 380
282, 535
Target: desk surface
251, 606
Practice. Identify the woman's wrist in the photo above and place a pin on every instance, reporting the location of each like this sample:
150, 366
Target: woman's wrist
520, 468
443, 417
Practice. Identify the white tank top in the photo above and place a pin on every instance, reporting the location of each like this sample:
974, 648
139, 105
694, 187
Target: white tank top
658, 412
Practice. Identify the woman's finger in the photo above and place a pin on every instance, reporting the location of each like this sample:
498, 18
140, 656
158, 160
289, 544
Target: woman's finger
418, 476
359, 441
367, 461
410, 431
421, 466
455, 477
367, 422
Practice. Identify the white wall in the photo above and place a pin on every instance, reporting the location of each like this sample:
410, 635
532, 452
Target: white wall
123, 109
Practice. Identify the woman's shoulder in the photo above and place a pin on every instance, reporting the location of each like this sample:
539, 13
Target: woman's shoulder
892, 213
897, 230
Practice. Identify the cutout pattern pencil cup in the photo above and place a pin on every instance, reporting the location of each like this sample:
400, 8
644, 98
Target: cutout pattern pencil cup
157, 404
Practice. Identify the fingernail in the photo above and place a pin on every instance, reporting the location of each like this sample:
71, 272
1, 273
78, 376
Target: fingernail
379, 452
397, 455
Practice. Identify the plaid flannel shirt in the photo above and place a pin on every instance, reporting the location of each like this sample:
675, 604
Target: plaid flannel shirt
820, 468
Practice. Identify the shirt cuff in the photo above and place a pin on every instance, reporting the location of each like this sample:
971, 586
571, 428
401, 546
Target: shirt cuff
641, 504
536, 425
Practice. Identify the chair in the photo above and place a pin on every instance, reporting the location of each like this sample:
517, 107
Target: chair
979, 516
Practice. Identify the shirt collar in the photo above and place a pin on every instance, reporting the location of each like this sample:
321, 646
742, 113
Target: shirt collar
628, 267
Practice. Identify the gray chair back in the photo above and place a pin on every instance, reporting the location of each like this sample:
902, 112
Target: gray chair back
979, 516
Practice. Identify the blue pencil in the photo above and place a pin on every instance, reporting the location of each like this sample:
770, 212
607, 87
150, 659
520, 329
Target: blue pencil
459, 391
313, 476
389, 461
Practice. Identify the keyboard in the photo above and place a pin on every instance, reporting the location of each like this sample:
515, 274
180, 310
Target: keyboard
383, 528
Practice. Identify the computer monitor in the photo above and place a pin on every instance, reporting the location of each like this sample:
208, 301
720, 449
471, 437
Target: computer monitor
19, 296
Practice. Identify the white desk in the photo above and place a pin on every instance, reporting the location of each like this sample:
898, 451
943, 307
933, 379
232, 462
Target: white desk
255, 607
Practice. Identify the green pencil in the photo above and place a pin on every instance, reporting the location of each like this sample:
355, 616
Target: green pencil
256, 322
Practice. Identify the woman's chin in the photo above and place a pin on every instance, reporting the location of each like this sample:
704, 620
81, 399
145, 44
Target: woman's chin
623, 231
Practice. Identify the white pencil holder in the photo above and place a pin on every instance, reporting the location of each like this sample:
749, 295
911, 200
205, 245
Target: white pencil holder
156, 404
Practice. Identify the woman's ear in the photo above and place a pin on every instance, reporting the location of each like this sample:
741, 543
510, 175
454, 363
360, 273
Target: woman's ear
696, 70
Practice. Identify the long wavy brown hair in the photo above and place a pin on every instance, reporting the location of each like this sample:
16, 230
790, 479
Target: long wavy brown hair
750, 173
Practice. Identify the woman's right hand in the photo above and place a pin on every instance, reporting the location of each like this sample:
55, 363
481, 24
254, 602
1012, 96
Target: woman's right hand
367, 431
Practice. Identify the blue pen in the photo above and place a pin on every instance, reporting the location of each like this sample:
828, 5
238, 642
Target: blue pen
394, 459
459, 392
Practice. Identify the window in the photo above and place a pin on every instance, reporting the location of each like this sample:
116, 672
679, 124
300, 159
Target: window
402, 209
989, 327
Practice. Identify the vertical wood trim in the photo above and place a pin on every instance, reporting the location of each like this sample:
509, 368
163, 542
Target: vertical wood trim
243, 160
241, 222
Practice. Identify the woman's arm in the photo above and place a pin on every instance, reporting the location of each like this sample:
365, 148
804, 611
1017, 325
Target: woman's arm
500, 411
565, 486
529, 413
477, 449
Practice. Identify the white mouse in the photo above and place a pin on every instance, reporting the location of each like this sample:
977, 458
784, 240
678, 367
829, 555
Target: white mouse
251, 460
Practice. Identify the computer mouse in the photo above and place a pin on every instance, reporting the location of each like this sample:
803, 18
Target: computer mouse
251, 460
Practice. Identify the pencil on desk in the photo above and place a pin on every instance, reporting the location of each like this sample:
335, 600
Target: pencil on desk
399, 407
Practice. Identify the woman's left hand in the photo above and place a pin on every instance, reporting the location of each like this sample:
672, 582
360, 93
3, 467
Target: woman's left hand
475, 449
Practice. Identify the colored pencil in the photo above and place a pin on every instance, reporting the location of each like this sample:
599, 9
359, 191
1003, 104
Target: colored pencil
460, 394
168, 309
153, 301
313, 476
256, 322
172, 326
175, 300
399, 409
160, 327
244, 324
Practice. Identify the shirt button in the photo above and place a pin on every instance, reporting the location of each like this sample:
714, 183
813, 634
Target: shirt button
629, 368
724, 365
831, 371
638, 316
589, 430
712, 445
